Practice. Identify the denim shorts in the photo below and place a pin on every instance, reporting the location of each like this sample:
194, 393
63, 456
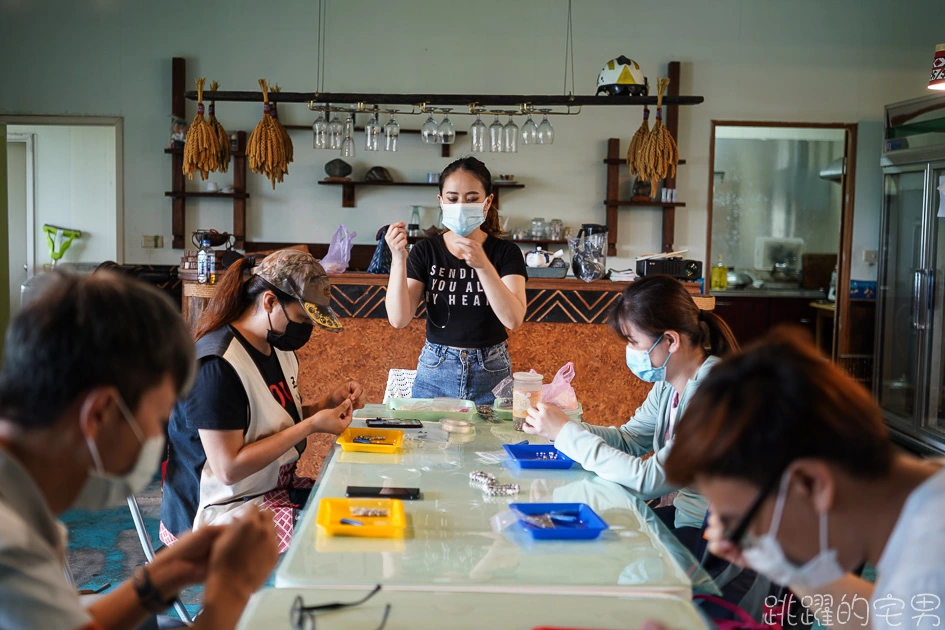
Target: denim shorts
469, 374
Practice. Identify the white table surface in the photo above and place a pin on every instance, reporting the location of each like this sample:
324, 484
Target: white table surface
414, 610
451, 543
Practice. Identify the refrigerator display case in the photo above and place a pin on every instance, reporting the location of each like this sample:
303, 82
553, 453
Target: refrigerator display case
909, 371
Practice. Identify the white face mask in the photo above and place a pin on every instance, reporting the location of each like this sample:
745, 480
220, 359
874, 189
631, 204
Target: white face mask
104, 489
463, 218
766, 556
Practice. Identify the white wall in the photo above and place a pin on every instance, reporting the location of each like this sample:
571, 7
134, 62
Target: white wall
869, 199
75, 188
805, 60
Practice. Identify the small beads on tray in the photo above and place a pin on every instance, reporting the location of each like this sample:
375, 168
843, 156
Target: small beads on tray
360, 511
549, 455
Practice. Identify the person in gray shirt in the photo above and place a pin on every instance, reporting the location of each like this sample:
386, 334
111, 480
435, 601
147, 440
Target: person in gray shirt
91, 370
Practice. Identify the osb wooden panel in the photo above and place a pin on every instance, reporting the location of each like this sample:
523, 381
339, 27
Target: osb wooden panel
368, 348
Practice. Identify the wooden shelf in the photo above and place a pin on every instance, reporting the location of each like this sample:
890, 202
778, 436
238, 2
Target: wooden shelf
224, 195
179, 194
442, 100
536, 241
348, 188
645, 204
363, 183
616, 158
623, 161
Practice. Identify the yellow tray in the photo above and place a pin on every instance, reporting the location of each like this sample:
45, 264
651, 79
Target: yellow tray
331, 511
394, 440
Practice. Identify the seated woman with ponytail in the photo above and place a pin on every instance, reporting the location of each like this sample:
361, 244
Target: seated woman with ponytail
673, 344
238, 435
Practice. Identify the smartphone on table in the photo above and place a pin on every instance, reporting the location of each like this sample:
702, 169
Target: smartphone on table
378, 492
393, 423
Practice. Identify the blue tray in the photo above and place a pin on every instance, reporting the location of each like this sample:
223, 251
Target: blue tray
587, 526
527, 456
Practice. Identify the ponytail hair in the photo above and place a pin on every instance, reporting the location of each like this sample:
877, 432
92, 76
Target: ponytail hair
477, 169
655, 304
233, 296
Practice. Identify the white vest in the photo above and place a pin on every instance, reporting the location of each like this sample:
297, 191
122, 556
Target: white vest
218, 501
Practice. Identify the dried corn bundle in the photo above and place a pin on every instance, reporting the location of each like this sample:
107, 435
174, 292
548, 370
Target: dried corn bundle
636, 143
266, 148
273, 109
659, 154
223, 141
201, 151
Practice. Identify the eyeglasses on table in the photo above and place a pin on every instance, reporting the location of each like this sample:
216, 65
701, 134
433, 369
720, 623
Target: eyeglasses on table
303, 617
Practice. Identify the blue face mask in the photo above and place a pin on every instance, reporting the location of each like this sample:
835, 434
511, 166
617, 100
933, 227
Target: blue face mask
639, 363
463, 218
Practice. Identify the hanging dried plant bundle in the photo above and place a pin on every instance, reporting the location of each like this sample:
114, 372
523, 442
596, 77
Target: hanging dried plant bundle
273, 109
659, 154
201, 151
267, 148
636, 143
223, 140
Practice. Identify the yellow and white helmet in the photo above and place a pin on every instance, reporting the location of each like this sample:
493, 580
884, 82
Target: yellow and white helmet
622, 76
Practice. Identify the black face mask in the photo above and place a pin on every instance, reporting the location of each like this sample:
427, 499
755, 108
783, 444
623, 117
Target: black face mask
295, 336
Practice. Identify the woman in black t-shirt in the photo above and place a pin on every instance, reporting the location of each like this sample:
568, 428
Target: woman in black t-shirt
236, 438
472, 284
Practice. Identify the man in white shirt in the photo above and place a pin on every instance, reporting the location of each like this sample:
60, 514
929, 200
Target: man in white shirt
805, 487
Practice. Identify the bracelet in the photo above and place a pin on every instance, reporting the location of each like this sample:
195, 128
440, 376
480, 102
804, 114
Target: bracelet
148, 595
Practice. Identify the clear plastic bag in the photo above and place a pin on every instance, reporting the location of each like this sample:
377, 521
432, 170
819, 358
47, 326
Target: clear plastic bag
558, 392
339, 251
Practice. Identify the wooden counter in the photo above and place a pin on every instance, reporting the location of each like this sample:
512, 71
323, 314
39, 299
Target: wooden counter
361, 295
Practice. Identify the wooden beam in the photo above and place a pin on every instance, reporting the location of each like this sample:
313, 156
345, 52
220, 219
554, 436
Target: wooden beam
613, 193
671, 120
460, 100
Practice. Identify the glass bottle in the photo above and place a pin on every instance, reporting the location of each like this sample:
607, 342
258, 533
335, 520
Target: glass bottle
415, 215
203, 266
719, 279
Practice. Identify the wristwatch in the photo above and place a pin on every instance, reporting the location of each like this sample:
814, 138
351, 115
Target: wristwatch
148, 595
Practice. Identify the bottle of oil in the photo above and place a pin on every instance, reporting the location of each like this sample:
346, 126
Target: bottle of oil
718, 280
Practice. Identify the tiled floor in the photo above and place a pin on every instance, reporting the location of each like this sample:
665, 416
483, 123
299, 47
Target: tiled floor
104, 549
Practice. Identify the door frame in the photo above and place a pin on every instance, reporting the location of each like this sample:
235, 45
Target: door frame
841, 333
28, 139
92, 121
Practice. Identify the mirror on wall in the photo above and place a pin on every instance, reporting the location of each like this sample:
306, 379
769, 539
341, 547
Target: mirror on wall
776, 204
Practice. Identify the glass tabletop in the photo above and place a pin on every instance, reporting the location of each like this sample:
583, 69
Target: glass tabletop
413, 610
459, 539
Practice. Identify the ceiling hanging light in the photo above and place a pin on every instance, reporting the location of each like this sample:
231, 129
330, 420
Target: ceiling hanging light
937, 78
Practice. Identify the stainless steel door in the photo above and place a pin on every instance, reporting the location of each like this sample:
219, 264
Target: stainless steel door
903, 317
932, 422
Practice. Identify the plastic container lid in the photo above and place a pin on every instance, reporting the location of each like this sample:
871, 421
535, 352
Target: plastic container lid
456, 426
528, 377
